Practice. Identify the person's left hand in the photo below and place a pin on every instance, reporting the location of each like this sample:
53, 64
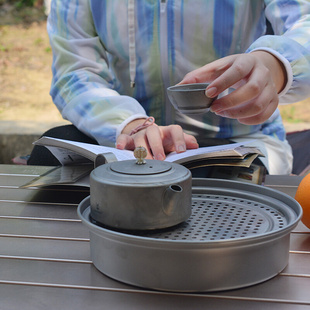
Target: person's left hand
158, 140
257, 77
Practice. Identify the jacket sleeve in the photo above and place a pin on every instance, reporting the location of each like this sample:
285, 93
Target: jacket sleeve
82, 86
290, 21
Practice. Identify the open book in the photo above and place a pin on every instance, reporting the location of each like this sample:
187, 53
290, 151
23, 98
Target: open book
233, 161
71, 152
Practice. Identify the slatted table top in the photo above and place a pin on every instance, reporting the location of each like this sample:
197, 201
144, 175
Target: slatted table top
45, 258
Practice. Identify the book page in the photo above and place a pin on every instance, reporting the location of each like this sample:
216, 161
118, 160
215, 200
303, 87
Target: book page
214, 151
72, 152
63, 175
100, 149
66, 157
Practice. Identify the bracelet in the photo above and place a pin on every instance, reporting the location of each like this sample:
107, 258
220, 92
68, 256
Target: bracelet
148, 122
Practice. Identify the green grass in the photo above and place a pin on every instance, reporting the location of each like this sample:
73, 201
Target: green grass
289, 115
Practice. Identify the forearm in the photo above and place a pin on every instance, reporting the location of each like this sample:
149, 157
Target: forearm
82, 86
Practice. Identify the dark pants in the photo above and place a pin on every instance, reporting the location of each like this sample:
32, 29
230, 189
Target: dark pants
41, 156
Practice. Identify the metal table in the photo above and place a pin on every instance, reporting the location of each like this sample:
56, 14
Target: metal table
45, 258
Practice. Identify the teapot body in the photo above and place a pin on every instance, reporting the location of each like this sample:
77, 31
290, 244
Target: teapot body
155, 195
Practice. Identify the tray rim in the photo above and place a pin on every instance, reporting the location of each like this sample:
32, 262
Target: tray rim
198, 183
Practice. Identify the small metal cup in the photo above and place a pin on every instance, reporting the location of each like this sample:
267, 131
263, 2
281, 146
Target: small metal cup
190, 98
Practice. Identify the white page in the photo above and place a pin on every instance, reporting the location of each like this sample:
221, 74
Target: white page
100, 149
202, 150
66, 156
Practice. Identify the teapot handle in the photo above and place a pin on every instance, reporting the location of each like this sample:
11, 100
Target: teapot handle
104, 158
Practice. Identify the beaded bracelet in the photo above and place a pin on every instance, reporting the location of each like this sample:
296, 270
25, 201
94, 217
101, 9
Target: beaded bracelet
148, 122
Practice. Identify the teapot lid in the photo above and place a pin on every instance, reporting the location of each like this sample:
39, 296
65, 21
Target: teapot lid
141, 171
140, 166
148, 168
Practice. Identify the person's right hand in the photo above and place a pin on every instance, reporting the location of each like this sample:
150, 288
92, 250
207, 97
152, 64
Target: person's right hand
258, 77
158, 140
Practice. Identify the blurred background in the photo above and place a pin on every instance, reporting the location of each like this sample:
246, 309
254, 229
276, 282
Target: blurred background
26, 109
25, 62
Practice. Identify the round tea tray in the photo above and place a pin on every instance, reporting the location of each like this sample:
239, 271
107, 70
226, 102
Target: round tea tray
238, 235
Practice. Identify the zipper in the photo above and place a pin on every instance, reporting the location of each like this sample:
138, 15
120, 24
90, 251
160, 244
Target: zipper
164, 56
163, 4
132, 44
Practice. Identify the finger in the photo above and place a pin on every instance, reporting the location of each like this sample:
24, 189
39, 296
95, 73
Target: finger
155, 142
208, 72
239, 69
140, 139
191, 141
124, 142
251, 89
176, 139
263, 116
255, 111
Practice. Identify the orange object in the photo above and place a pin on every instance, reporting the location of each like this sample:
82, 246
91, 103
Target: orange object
303, 198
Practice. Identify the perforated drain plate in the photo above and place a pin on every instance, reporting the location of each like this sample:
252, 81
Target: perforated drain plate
227, 215
237, 235
217, 217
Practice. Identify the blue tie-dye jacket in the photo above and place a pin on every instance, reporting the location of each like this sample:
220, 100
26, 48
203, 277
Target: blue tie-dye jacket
91, 78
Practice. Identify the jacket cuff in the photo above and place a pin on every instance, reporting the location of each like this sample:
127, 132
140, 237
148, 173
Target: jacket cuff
127, 121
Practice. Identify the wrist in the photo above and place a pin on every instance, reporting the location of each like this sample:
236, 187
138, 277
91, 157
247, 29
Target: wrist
275, 66
132, 125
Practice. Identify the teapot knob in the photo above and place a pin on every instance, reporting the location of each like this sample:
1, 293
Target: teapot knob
140, 154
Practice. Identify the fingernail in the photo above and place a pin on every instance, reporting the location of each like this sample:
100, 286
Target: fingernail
160, 157
211, 92
181, 148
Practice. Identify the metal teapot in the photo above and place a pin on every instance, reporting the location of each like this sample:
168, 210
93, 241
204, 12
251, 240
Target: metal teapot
141, 194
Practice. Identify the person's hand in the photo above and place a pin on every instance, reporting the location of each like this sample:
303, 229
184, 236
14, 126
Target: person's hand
257, 77
158, 140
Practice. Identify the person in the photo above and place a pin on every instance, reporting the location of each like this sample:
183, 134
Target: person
113, 61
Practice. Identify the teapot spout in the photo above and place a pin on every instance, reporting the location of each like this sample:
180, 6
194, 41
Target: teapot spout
171, 199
